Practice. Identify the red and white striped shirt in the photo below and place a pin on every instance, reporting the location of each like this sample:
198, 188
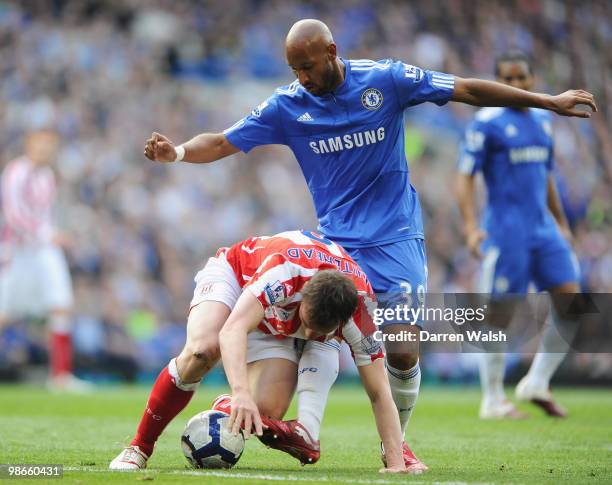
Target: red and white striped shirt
276, 268
28, 194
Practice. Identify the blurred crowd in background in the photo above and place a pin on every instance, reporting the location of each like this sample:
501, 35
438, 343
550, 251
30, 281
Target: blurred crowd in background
106, 74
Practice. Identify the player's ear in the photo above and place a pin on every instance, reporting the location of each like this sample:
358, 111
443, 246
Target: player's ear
331, 51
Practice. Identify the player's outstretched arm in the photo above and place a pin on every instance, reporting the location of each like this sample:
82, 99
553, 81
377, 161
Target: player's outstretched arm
245, 316
203, 148
479, 92
466, 196
376, 384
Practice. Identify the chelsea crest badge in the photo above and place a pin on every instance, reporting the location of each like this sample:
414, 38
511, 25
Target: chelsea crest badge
371, 99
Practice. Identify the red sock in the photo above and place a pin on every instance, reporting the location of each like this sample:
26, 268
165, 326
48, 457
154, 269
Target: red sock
60, 354
165, 402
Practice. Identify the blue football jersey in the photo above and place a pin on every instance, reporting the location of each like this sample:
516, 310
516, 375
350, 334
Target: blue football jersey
514, 150
350, 146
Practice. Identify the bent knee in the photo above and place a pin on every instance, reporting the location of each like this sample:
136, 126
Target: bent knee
403, 361
204, 352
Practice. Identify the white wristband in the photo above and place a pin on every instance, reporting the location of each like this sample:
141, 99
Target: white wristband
180, 153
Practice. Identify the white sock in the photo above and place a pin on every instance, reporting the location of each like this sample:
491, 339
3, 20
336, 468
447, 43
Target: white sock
178, 382
317, 372
492, 366
553, 348
405, 390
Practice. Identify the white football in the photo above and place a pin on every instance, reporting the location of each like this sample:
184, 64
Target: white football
207, 443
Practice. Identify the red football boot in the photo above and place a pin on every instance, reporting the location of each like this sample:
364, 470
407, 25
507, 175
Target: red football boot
540, 397
550, 407
413, 464
290, 437
223, 403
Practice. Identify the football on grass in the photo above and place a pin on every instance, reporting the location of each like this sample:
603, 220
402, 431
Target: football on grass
207, 443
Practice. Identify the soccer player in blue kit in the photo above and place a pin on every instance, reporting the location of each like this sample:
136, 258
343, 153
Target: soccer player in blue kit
525, 236
343, 120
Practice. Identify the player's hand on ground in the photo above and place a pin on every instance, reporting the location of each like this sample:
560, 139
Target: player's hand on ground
474, 239
159, 148
566, 103
245, 415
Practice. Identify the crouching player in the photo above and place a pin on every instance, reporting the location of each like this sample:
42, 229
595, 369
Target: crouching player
262, 290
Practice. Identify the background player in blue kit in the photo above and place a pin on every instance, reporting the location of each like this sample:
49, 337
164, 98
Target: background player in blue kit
526, 235
343, 119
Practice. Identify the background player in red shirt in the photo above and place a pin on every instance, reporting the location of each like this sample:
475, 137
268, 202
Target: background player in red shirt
34, 275
282, 289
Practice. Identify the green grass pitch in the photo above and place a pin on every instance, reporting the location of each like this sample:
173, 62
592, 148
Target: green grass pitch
85, 432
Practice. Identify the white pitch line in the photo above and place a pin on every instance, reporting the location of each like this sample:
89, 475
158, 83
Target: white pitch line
289, 478
253, 476
321, 479
261, 476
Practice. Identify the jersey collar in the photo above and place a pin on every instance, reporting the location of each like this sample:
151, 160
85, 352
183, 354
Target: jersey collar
343, 87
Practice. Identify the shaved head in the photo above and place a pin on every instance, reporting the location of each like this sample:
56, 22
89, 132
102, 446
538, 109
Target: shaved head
308, 33
311, 53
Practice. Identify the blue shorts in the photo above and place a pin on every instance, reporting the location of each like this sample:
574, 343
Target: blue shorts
397, 271
547, 261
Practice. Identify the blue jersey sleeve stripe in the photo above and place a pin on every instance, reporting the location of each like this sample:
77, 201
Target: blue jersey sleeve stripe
367, 65
442, 76
238, 124
443, 86
381, 67
357, 62
443, 81
292, 88
378, 68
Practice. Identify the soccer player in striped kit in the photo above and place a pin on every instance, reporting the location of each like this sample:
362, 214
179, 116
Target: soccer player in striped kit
343, 120
34, 276
274, 308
